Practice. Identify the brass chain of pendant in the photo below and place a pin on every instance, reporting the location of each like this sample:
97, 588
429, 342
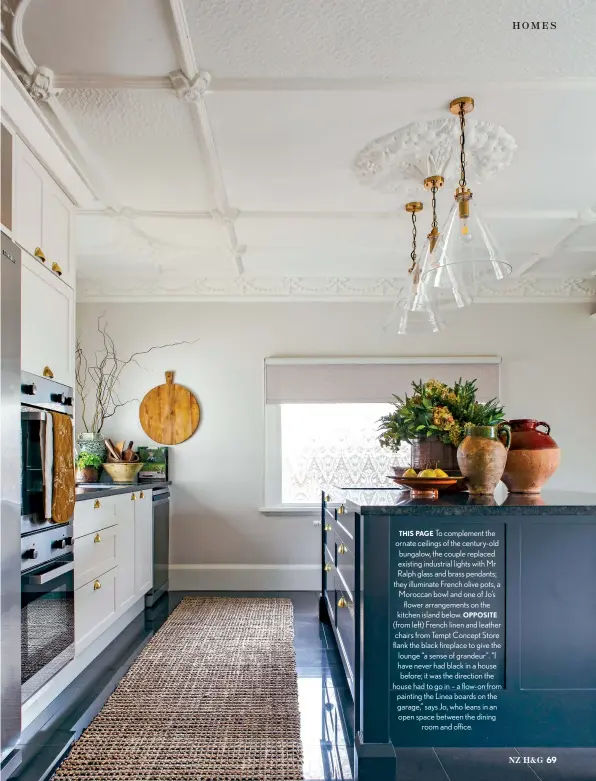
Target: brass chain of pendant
413, 252
462, 145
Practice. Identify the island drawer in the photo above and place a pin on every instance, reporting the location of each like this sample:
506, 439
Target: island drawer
345, 624
95, 554
346, 523
346, 570
91, 515
329, 593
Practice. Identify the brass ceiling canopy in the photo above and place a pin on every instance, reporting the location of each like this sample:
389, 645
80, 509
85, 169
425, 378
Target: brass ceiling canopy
456, 105
414, 206
434, 181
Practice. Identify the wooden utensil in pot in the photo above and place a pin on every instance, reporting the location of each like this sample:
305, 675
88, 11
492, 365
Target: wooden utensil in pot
111, 449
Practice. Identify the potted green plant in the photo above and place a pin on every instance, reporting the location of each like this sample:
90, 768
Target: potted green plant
86, 466
432, 420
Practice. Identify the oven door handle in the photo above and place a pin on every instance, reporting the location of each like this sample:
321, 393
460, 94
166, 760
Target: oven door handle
46, 577
30, 413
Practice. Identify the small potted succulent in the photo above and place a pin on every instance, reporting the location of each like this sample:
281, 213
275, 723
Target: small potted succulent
86, 466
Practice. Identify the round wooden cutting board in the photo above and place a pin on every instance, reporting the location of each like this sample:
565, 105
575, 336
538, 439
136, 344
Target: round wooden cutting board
169, 413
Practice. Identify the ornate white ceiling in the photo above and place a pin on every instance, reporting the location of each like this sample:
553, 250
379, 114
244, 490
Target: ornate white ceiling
222, 139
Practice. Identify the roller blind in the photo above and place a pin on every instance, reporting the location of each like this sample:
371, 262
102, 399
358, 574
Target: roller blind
320, 380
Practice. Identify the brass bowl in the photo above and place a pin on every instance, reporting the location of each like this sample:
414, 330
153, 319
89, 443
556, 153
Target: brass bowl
425, 487
122, 472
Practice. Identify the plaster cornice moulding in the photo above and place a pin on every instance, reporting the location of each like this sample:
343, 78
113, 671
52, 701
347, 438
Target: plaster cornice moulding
244, 288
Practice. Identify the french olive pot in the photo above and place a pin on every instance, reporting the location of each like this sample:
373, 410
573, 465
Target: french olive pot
533, 457
482, 456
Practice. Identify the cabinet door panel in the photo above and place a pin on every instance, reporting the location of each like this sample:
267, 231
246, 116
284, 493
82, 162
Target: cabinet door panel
29, 182
125, 550
57, 230
143, 543
47, 322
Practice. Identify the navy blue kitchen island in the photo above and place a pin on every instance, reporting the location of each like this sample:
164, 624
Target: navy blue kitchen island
462, 622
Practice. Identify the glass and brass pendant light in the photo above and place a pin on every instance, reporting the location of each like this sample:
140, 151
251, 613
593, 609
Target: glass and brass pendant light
454, 292
413, 312
466, 255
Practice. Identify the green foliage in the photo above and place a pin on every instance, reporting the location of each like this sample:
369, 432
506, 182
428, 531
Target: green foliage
437, 410
87, 459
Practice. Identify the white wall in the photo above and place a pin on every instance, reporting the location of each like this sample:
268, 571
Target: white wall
219, 539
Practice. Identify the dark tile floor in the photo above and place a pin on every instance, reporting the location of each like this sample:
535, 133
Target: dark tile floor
325, 706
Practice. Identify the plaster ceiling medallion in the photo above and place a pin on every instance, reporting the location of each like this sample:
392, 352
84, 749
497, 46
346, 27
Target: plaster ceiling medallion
401, 160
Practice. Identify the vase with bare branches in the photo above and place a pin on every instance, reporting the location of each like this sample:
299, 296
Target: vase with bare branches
98, 382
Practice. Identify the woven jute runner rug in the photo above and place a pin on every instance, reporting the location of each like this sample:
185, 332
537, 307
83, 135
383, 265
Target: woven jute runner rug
212, 697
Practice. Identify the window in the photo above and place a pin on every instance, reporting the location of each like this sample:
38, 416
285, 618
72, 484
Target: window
321, 420
333, 444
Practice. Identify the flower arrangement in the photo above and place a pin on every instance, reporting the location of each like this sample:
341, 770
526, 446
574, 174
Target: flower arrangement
437, 410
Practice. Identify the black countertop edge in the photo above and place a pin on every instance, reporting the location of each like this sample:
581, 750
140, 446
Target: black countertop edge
433, 509
113, 489
379, 502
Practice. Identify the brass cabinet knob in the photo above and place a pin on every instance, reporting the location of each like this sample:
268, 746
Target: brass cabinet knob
342, 548
341, 510
56, 269
327, 567
97, 538
96, 585
328, 527
327, 498
47, 372
133, 497
142, 495
96, 504
341, 602
40, 254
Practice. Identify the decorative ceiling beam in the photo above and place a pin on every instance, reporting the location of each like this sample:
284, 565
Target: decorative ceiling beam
190, 85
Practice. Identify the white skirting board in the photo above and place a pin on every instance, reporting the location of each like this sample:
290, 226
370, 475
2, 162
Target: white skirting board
245, 577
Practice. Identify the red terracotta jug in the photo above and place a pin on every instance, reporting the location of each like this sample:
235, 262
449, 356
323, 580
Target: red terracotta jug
533, 457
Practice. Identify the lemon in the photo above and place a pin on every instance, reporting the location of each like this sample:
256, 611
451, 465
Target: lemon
427, 473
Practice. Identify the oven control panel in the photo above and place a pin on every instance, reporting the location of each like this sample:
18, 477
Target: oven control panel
43, 546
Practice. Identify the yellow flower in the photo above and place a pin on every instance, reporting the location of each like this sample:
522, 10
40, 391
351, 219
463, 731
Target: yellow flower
443, 418
448, 396
417, 400
434, 387
456, 434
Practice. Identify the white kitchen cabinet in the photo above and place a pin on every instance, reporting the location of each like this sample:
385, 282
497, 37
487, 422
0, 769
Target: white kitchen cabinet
29, 177
47, 323
125, 550
43, 215
57, 230
143, 543
95, 608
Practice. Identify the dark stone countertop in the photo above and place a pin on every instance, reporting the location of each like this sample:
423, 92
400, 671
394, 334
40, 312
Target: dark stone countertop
99, 490
392, 501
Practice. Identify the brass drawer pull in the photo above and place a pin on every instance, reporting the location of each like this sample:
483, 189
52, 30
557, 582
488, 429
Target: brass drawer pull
327, 567
47, 372
142, 495
327, 498
342, 548
56, 269
133, 497
40, 254
97, 538
341, 510
96, 585
96, 504
341, 602
328, 527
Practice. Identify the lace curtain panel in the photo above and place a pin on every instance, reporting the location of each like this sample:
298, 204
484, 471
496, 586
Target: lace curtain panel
333, 444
